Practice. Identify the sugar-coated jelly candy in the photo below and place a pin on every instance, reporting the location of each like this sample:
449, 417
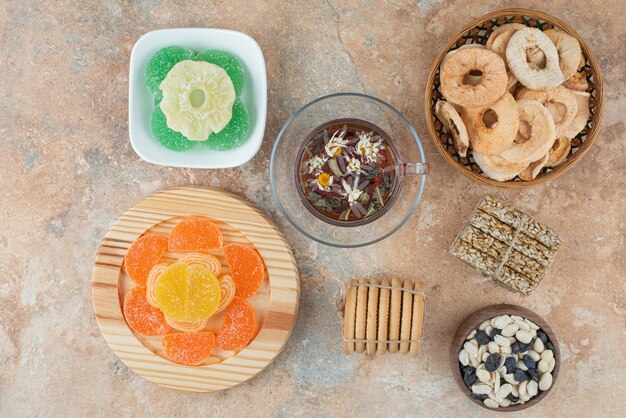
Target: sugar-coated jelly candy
195, 234
187, 293
162, 62
190, 349
151, 282
141, 317
234, 134
239, 326
169, 138
207, 260
142, 255
229, 62
247, 268
187, 326
228, 290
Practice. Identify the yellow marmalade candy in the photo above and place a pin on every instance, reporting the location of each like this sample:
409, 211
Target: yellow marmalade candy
188, 293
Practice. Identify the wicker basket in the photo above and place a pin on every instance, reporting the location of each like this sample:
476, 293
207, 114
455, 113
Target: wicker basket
478, 31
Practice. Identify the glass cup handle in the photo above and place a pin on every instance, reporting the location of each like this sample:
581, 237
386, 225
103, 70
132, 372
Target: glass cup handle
410, 169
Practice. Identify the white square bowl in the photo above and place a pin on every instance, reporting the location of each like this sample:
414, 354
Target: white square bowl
141, 102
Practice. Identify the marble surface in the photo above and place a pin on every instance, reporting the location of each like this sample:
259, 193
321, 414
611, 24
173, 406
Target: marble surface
68, 171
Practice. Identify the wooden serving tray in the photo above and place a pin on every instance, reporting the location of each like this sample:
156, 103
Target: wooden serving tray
276, 303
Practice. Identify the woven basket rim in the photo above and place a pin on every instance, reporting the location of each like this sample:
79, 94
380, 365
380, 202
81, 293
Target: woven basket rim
572, 160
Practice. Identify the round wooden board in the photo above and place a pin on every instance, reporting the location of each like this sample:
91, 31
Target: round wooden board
276, 304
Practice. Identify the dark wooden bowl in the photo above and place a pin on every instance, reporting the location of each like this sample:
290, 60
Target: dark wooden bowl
473, 321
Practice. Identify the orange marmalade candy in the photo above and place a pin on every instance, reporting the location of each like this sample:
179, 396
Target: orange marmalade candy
142, 255
239, 326
190, 349
142, 317
195, 234
247, 268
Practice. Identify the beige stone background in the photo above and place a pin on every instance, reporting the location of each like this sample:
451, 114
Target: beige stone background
68, 170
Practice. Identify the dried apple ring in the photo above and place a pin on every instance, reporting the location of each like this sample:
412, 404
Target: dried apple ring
559, 152
451, 119
228, 290
535, 135
496, 167
561, 103
582, 114
533, 169
473, 77
492, 129
499, 38
207, 260
536, 79
577, 82
451, 52
568, 49
509, 27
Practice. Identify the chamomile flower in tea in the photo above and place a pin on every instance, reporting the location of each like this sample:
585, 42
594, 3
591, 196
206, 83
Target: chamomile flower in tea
346, 171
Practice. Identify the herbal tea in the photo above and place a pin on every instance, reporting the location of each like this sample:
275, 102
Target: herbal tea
346, 172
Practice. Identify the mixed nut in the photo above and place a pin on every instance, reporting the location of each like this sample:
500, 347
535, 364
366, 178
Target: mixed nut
507, 360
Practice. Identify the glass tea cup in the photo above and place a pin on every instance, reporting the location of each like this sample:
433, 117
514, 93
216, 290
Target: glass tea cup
409, 168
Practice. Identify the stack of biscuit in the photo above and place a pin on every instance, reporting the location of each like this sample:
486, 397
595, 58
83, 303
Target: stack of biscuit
383, 316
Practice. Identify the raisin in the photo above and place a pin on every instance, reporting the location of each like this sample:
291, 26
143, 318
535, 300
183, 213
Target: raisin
520, 375
512, 398
482, 337
529, 361
494, 332
542, 336
510, 364
470, 379
480, 397
493, 362
467, 369
549, 346
534, 374
519, 347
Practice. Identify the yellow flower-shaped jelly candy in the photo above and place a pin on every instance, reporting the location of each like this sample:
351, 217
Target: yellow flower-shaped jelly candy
188, 293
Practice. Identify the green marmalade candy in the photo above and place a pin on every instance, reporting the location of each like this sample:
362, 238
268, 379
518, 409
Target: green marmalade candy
233, 134
162, 62
166, 136
229, 63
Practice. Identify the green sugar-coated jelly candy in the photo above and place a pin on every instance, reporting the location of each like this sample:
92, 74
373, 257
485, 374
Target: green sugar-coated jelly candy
162, 62
234, 134
229, 63
166, 136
